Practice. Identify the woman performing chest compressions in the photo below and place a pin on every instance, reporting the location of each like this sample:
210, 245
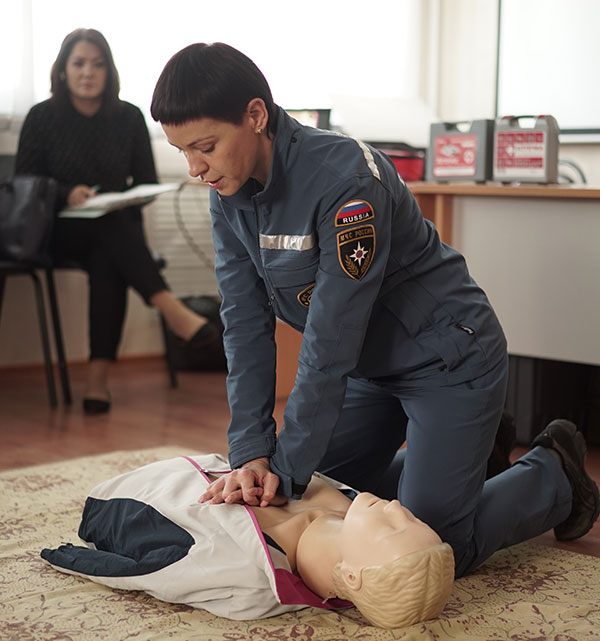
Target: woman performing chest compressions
399, 343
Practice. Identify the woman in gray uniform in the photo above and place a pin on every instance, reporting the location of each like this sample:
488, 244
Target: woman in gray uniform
399, 343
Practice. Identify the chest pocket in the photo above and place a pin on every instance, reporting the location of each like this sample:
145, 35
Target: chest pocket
291, 275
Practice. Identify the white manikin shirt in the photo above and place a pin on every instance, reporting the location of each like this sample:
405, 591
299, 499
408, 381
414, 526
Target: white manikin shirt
145, 530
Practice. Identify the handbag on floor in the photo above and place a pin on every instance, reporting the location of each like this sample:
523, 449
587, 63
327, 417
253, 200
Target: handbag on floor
26, 218
209, 355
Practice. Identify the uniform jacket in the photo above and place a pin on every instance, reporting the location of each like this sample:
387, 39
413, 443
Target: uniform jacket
145, 530
336, 246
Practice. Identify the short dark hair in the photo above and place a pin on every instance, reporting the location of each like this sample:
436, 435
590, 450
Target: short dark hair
209, 81
58, 87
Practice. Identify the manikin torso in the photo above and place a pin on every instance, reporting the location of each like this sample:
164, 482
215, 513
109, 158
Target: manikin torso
325, 527
224, 563
286, 524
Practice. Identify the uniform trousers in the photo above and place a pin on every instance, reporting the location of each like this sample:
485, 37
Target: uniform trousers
449, 431
113, 251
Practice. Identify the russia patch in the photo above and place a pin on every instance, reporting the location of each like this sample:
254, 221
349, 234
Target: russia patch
356, 249
355, 211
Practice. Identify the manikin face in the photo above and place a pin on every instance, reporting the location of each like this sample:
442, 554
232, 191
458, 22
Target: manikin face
376, 531
85, 72
222, 155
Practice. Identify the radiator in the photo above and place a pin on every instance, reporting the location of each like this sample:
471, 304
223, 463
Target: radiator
178, 228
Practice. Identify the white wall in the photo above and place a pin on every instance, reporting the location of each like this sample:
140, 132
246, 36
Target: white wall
465, 90
469, 30
467, 59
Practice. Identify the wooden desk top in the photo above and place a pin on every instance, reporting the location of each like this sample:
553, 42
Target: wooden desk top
499, 190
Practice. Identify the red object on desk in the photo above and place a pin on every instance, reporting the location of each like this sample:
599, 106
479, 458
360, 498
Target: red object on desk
410, 164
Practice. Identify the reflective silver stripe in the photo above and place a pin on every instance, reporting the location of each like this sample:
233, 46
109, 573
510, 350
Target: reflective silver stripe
284, 241
369, 158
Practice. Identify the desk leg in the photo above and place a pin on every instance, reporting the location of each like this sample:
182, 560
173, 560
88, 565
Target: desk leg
438, 209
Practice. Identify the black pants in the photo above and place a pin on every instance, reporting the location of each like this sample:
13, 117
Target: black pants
113, 251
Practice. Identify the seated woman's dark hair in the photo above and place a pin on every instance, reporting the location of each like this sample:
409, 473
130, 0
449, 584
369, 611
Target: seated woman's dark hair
209, 81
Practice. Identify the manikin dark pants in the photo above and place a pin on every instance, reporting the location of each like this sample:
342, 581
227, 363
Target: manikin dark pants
440, 476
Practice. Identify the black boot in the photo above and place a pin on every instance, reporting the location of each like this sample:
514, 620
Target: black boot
563, 437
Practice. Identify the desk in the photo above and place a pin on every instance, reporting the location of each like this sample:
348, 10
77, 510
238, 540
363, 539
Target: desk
436, 200
535, 250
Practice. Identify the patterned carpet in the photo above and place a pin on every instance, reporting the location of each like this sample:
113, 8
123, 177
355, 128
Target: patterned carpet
527, 592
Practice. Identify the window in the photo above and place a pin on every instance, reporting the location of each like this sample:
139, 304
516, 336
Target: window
548, 62
373, 63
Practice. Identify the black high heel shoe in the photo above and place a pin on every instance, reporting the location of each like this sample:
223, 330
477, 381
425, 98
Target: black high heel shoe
207, 334
93, 406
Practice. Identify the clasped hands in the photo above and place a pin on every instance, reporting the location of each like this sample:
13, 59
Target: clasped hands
252, 484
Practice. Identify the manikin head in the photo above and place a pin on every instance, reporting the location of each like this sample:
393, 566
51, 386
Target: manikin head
392, 566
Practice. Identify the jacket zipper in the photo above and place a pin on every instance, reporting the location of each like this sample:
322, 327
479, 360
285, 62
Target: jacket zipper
271, 289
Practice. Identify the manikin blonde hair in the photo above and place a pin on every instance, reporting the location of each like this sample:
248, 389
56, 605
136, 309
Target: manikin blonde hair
413, 588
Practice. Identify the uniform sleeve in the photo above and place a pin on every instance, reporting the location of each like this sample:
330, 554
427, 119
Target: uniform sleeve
143, 169
249, 340
352, 263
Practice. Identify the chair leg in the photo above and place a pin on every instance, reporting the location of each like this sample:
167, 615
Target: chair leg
2, 282
168, 339
39, 295
58, 337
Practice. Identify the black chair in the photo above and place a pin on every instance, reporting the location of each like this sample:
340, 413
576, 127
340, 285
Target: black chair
31, 269
14, 268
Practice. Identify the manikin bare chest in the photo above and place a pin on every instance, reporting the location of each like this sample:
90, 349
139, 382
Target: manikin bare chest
285, 524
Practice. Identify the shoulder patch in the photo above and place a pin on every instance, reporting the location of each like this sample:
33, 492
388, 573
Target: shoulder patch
305, 294
356, 249
354, 211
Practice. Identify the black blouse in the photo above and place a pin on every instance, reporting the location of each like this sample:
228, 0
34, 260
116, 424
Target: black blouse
112, 151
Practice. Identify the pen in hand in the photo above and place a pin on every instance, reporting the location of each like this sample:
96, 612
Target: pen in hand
80, 193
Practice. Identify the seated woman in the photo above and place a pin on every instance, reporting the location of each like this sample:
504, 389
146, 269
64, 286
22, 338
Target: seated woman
332, 548
89, 141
